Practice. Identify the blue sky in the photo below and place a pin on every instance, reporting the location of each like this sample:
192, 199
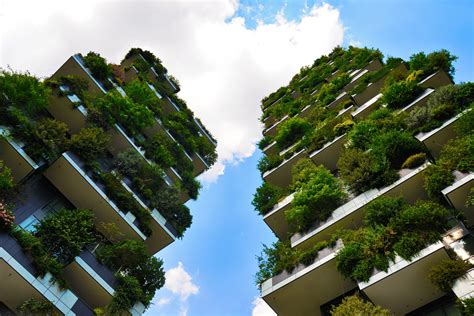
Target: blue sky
219, 249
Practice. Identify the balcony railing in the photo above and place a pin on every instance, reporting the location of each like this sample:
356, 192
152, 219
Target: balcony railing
69, 175
306, 288
14, 156
389, 289
276, 218
368, 107
458, 193
351, 214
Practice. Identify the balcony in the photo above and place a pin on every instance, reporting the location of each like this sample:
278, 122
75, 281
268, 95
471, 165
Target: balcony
458, 193
436, 80
75, 66
463, 287
130, 74
69, 176
276, 218
169, 106
281, 175
163, 233
419, 101
20, 284
204, 132
389, 289
91, 280
14, 156
374, 88
344, 96
330, 153
268, 121
305, 289
351, 214
435, 140
272, 130
68, 109
271, 149
368, 107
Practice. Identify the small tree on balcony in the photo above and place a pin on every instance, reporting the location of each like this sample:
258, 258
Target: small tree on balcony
355, 306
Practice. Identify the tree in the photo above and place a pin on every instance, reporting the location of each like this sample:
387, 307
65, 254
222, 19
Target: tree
355, 306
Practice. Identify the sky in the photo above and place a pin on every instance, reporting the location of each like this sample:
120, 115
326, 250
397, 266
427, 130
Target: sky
227, 56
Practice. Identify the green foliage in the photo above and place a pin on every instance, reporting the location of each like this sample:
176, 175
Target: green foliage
438, 60
466, 122
267, 163
395, 147
400, 94
141, 274
382, 210
140, 93
7, 218
23, 92
328, 92
414, 161
50, 139
316, 198
37, 307
115, 108
355, 306
343, 127
437, 177
6, 179
90, 143
127, 293
76, 85
157, 148
466, 306
99, 67
444, 274
65, 234
266, 197
458, 154
290, 131
125, 201
43, 261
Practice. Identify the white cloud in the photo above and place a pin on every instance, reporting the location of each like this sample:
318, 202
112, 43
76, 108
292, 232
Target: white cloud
163, 301
225, 68
179, 282
261, 308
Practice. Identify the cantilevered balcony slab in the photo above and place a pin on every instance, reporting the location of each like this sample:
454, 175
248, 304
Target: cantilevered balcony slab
436, 139
351, 214
405, 286
272, 130
91, 280
276, 218
368, 107
69, 177
68, 109
458, 193
281, 175
268, 121
163, 234
330, 153
19, 285
271, 149
120, 142
344, 96
419, 101
464, 286
130, 74
355, 80
169, 106
436, 80
374, 88
374, 65
15, 157
75, 66
203, 132
303, 291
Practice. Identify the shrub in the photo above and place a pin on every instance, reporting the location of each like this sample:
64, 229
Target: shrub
466, 123
65, 234
396, 147
409, 244
183, 129
127, 293
23, 92
274, 260
158, 148
316, 198
6, 179
98, 66
343, 127
444, 274
422, 216
264, 142
266, 197
128, 163
267, 163
438, 60
400, 94
90, 143
458, 154
290, 131
7, 219
52, 138
466, 306
34, 306
437, 177
354, 305
414, 161
381, 210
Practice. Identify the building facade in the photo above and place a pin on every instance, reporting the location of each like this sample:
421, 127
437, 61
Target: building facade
368, 185
96, 163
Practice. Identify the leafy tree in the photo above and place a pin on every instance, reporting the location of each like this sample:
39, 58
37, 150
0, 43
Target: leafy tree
98, 66
382, 210
400, 94
90, 143
266, 197
141, 93
444, 274
6, 179
34, 306
355, 306
290, 131
66, 233
395, 147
